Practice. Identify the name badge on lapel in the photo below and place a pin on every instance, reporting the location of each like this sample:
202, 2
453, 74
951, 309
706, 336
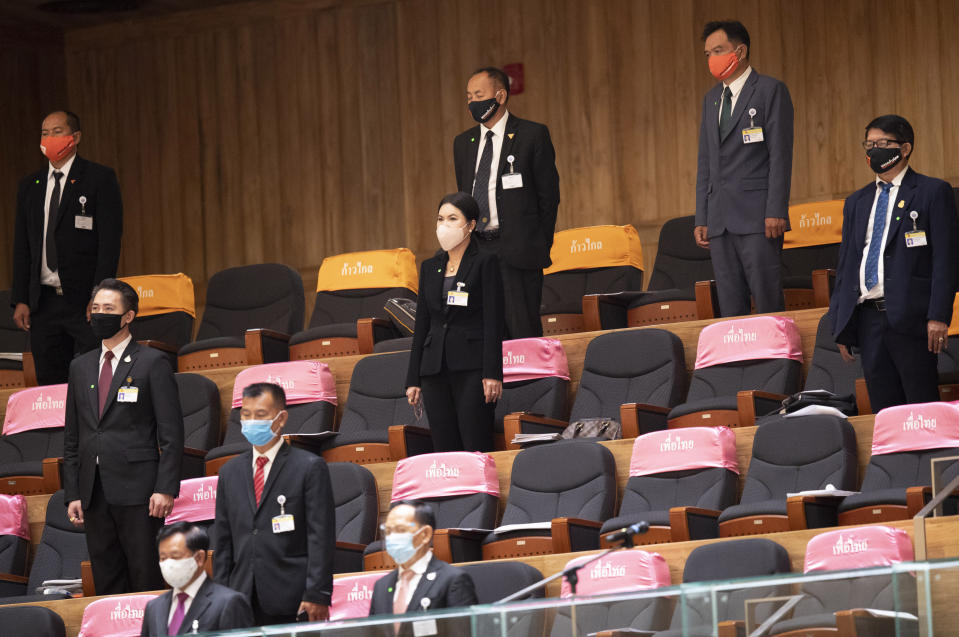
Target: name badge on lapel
282, 523
458, 296
512, 179
83, 221
916, 238
128, 394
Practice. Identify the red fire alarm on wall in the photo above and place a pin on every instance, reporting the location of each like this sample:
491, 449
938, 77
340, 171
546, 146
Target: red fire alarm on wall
515, 73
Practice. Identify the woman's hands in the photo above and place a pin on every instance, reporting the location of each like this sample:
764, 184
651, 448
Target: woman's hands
413, 396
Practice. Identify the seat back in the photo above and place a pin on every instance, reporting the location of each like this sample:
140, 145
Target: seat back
24, 451
905, 440
62, 546
680, 263
494, 581
36, 621
353, 595
377, 397
196, 502
535, 379
267, 295
355, 502
828, 370
167, 308
792, 454
32, 429
114, 615
798, 263
12, 338
14, 534
636, 366
462, 486
200, 404
306, 418
734, 559
568, 478
346, 306
545, 396
563, 291
402, 344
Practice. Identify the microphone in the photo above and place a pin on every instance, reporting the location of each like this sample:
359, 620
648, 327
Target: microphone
627, 532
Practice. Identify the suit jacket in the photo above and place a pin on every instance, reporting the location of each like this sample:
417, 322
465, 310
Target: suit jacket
468, 337
139, 444
450, 587
527, 215
285, 568
215, 608
738, 185
919, 283
85, 257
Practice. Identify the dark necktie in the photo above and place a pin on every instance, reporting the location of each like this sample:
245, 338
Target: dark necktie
875, 243
106, 378
178, 614
259, 478
51, 222
481, 184
727, 113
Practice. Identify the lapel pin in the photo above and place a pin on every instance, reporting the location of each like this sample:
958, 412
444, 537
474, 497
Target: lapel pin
129, 380
430, 577
92, 387
901, 204
389, 590
127, 360
38, 181
73, 181
897, 218
510, 135
439, 270
472, 139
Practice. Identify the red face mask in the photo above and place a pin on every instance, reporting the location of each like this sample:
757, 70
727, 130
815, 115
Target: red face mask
722, 66
58, 147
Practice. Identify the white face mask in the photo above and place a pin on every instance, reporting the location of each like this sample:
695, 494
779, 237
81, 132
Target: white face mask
178, 573
450, 236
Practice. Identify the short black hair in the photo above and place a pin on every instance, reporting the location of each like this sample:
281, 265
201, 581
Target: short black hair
423, 512
196, 536
131, 300
735, 31
73, 120
258, 389
498, 75
895, 125
463, 202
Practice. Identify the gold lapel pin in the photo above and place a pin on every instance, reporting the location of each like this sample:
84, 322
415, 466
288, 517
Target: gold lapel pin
902, 203
510, 135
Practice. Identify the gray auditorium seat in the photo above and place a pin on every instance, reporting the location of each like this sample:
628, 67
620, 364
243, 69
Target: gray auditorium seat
561, 310
401, 344
356, 509
22, 456
12, 340
200, 405
493, 582
35, 621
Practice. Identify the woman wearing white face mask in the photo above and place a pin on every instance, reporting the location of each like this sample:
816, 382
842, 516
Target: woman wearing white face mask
456, 362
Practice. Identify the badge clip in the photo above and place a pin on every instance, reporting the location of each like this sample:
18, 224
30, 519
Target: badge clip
511, 159
459, 286
752, 114
83, 205
281, 500
914, 215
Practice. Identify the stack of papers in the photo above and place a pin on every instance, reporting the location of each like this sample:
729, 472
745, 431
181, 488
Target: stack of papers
531, 526
521, 439
12, 356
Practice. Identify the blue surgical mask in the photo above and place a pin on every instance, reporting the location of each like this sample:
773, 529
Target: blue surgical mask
400, 547
258, 432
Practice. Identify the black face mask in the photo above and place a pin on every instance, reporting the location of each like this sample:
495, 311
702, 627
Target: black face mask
882, 159
105, 326
483, 110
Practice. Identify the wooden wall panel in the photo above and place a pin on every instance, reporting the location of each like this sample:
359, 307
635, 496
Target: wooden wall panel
289, 131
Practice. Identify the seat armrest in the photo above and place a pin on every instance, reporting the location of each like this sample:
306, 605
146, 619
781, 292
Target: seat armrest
862, 397
159, 345
515, 422
29, 370
624, 632
693, 523
812, 512
916, 498
258, 341
409, 440
604, 312
366, 333
86, 577
823, 281
443, 542
51, 474
707, 300
859, 621
14, 579
196, 453
731, 628
308, 442
641, 418
350, 546
751, 403
575, 534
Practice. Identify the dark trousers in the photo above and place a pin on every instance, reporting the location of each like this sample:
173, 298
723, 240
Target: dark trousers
747, 264
522, 295
122, 545
460, 418
58, 332
263, 618
899, 368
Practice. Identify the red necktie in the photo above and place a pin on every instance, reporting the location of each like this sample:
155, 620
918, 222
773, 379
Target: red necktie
258, 478
106, 378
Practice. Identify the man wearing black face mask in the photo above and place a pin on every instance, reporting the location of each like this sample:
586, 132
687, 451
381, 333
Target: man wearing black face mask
122, 446
509, 166
896, 280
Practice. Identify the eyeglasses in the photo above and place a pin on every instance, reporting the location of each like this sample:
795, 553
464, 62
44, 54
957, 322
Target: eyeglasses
880, 143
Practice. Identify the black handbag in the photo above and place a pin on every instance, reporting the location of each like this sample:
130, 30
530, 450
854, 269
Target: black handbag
402, 314
601, 428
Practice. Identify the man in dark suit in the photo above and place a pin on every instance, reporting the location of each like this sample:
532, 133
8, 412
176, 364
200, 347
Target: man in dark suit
896, 278
274, 531
744, 173
195, 603
66, 239
509, 166
122, 445
420, 582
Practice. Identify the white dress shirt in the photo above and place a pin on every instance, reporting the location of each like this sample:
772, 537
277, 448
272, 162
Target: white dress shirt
878, 291
736, 88
117, 352
48, 276
418, 568
499, 132
192, 589
270, 456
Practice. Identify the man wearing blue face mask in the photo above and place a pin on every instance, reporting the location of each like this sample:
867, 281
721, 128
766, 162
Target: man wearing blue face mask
420, 582
274, 529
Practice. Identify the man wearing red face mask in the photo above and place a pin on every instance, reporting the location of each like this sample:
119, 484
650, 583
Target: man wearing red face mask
66, 240
744, 173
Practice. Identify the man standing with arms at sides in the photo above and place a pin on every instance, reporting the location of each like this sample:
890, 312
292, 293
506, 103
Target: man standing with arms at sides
122, 446
275, 531
744, 173
66, 239
509, 166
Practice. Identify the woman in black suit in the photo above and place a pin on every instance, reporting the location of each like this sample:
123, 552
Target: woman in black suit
456, 362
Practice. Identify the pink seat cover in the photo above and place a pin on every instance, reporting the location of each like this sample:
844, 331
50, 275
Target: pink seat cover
684, 449
438, 475
352, 595
117, 616
619, 572
915, 427
531, 358
858, 547
751, 338
35, 408
13, 516
196, 502
302, 381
